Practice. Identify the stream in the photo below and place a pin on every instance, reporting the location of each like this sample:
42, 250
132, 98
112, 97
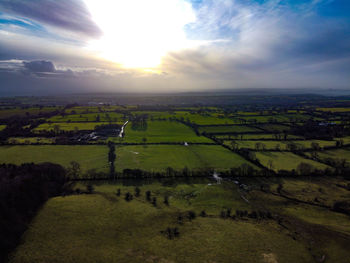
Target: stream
122, 130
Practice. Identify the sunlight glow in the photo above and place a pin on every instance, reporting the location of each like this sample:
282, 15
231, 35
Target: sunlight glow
138, 33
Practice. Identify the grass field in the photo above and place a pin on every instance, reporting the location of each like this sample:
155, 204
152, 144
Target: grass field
285, 160
89, 157
162, 131
6, 113
256, 136
98, 117
277, 118
97, 109
227, 129
281, 145
2, 127
103, 227
30, 140
159, 157
276, 128
337, 154
334, 110
204, 119
69, 126
269, 145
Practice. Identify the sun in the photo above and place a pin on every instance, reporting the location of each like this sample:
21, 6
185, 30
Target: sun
138, 33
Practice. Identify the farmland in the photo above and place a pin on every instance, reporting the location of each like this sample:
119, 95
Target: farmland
160, 157
111, 229
89, 157
281, 176
90, 117
70, 126
163, 131
285, 160
31, 140
280, 145
227, 129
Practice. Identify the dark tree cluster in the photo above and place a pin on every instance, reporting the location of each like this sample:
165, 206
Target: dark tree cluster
128, 197
148, 196
322, 131
139, 122
111, 159
253, 214
23, 190
171, 232
137, 192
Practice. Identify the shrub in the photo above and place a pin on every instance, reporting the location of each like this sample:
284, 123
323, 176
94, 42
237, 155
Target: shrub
128, 197
90, 188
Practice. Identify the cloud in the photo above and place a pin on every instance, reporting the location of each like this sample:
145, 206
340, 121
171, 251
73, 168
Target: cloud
70, 15
39, 66
240, 44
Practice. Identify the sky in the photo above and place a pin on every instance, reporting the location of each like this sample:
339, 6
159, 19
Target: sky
50, 47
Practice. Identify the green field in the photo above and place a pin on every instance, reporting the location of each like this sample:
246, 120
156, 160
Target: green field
227, 129
267, 145
30, 140
334, 110
89, 157
6, 113
2, 127
281, 145
97, 109
277, 118
204, 119
87, 117
256, 136
275, 128
336, 154
162, 131
159, 157
103, 227
69, 126
285, 160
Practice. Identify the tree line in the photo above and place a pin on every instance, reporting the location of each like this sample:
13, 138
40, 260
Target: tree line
23, 190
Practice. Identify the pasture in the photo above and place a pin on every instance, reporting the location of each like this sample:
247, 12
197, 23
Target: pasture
337, 155
69, 126
285, 161
227, 129
274, 128
204, 119
334, 110
103, 227
257, 136
162, 131
30, 140
89, 157
30, 111
279, 145
159, 157
90, 117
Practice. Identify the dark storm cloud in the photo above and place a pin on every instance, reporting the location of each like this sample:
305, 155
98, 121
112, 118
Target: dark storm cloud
71, 15
39, 66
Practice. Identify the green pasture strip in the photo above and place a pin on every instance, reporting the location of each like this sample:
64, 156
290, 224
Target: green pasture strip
70, 126
160, 157
89, 157
90, 117
285, 161
161, 131
227, 129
